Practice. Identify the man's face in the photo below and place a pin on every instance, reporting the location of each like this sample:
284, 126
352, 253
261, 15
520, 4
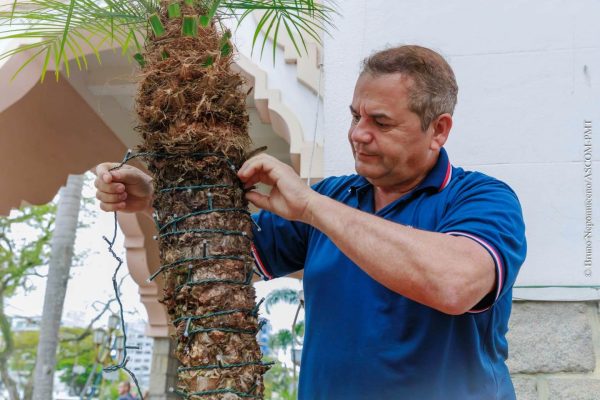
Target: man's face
123, 388
390, 149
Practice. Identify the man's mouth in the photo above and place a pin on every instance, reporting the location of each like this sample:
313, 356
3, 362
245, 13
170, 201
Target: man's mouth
363, 154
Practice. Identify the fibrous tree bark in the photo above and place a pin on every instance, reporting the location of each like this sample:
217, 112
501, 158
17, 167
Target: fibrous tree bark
194, 126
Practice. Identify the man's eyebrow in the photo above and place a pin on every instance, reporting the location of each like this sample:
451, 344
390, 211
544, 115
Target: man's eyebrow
379, 115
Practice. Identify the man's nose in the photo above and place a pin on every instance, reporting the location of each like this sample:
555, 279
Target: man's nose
361, 133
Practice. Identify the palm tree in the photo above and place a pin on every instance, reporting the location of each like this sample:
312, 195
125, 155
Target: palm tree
284, 295
293, 297
194, 129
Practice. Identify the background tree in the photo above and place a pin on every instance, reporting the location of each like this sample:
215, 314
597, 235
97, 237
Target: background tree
75, 357
24, 248
279, 383
296, 333
61, 257
75, 360
22, 362
194, 129
284, 295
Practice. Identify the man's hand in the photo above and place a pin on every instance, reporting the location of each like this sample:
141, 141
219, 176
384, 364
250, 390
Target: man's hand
126, 189
290, 198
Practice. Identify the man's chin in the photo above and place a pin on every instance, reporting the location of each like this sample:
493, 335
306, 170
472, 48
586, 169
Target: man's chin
365, 171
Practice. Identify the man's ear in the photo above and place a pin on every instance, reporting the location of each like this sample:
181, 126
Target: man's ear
441, 129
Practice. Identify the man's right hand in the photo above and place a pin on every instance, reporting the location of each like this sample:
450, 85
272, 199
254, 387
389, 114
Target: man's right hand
126, 189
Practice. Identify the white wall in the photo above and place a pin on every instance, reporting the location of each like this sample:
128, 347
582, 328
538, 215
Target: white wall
526, 73
281, 76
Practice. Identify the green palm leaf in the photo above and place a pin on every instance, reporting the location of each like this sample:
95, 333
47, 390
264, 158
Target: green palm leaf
289, 296
54, 28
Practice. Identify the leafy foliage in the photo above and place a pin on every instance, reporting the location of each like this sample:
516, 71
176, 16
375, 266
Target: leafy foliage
289, 296
279, 383
57, 31
24, 247
281, 340
75, 349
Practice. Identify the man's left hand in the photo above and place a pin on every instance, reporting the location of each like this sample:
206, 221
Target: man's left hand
290, 198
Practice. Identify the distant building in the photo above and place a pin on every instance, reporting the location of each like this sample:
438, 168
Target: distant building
21, 324
263, 337
140, 359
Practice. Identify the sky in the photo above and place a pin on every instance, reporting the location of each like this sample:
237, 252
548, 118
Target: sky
91, 282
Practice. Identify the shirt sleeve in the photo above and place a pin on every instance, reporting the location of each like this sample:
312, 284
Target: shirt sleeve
279, 246
488, 212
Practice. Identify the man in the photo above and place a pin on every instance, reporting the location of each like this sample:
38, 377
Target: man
125, 391
408, 265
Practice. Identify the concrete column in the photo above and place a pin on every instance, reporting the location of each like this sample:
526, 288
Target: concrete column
163, 371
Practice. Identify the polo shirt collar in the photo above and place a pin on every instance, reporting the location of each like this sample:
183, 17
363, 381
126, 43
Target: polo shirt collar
440, 175
438, 178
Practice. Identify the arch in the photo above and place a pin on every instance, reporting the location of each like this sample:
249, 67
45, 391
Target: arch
75, 144
272, 110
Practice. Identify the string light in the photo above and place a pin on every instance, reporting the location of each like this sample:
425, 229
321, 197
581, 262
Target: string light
123, 364
247, 395
163, 233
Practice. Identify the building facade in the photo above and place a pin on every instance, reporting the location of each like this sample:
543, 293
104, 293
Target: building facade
527, 114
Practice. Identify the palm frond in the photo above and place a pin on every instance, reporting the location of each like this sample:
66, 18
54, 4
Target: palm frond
286, 295
53, 28
302, 16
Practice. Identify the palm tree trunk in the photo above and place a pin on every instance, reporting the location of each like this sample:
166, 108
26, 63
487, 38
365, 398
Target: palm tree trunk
194, 126
63, 241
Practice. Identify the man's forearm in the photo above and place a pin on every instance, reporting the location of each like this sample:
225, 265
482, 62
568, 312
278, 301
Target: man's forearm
448, 273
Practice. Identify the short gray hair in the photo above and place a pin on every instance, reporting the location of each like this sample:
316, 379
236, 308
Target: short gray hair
434, 91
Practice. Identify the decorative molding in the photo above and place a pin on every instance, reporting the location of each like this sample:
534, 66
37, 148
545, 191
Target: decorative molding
142, 257
141, 250
284, 122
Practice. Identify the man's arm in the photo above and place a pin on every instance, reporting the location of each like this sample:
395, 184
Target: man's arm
448, 273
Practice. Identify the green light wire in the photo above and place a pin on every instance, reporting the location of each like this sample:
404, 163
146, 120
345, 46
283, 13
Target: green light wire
224, 232
189, 395
254, 311
177, 263
224, 366
246, 282
195, 187
202, 212
251, 311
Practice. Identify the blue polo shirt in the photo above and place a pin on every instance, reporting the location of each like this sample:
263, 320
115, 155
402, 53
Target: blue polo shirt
364, 341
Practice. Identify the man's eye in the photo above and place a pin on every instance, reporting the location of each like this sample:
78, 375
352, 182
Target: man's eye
380, 124
355, 119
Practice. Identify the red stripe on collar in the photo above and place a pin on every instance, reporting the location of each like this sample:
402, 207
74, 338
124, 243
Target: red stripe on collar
447, 178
